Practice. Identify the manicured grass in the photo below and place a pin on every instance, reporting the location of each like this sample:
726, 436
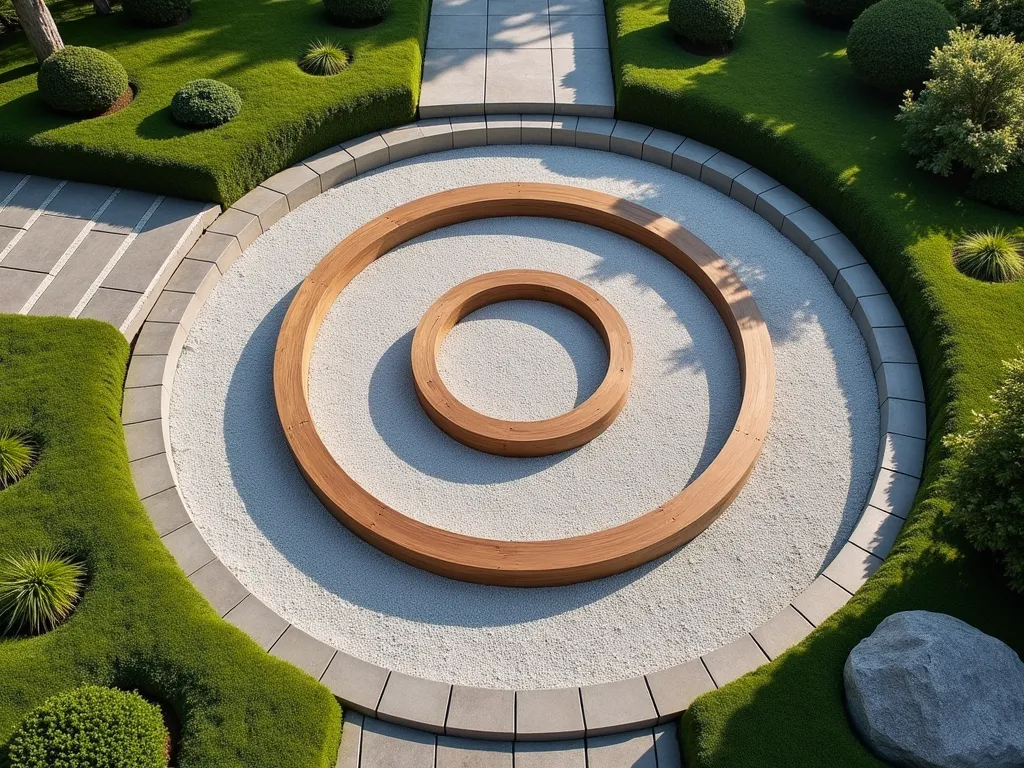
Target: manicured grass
786, 100
140, 623
252, 45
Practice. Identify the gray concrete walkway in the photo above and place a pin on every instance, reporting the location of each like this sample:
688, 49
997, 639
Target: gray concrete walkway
371, 743
85, 250
517, 56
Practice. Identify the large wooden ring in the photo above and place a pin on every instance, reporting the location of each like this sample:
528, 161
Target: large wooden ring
522, 438
527, 563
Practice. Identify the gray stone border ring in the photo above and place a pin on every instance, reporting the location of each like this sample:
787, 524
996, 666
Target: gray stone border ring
522, 438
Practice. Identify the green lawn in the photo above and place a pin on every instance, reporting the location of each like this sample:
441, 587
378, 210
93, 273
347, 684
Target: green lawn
140, 624
786, 101
250, 44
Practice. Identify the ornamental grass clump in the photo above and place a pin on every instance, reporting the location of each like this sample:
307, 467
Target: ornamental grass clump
91, 727
17, 454
993, 256
986, 479
324, 58
970, 114
38, 591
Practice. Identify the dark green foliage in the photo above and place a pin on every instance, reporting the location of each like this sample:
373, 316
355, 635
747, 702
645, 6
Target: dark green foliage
156, 13
324, 58
993, 256
16, 456
994, 17
141, 625
205, 104
38, 590
986, 478
838, 12
357, 12
81, 81
91, 727
251, 46
787, 101
891, 43
711, 22
1004, 190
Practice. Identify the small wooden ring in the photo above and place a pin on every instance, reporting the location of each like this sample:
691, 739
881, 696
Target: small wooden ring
522, 438
526, 563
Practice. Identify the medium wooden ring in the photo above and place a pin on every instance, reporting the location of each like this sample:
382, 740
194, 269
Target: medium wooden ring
527, 563
522, 438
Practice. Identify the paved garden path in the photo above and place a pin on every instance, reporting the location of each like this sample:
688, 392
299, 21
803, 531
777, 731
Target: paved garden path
517, 56
371, 743
85, 250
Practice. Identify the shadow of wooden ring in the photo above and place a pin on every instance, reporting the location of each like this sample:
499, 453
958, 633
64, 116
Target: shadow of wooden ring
522, 438
527, 563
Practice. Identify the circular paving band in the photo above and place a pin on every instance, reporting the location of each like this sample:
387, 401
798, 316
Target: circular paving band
527, 563
522, 438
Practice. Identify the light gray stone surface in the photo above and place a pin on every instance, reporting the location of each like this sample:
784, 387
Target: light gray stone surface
357, 683
734, 660
781, 632
481, 713
553, 713
414, 701
259, 622
930, 691
608, 707
305, 652
675, 688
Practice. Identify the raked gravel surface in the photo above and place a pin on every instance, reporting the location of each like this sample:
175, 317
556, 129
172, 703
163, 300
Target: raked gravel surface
524, 360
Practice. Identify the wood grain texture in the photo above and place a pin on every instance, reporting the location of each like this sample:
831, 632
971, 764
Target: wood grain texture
527, 563
522, 438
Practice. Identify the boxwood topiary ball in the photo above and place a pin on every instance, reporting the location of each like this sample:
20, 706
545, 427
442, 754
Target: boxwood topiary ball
710, 22
891, 43
205, 104
156, 13
81, 81
91, 727
357, 13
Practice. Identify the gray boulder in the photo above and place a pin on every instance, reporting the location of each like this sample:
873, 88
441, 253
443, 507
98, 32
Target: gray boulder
929, 691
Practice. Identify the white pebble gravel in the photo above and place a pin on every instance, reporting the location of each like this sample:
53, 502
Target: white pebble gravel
524, 360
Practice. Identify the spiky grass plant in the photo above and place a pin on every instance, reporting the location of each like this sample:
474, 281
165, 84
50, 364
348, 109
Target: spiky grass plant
324, 57
16, 456
38, 590
993, 256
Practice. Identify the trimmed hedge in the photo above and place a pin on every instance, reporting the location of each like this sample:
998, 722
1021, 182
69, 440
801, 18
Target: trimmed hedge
1003, 190
156, 13
141, 625
710, 22
81, 81
891, 43
787, 102
205, 104
357, 12
91, 727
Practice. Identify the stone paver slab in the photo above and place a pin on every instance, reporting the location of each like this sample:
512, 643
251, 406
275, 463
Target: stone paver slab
806, 226
142, 404
576, 7
518, 80
720, 170
557, 754
415, 701
902, 454
27, 201
112, 306
525, 30
852, 567
386, 745
563, 130
17, 287
734, 660
778, 203
304, 651
68, 286
876, 531
855, 282
904, 417
594, 133
238, 224
659, 146
220, 588
144, 438
578, 31
748, 185
583, 82
536, 129
41, 247
781, 632
481, 713
264, 203
462, 31
504, 129
628, 138
458, 8
900, 381
894, 492
78, 200
357, 683
610, 706
666, 746
369, 152
635, 750
351, 741
473, 753
554, 713
125, 212
468, 132
298, 184
259, 622
834, 253
166, 511
333, 165
690, 157
675, 688
820, 600
188, 547
517, 7
453, 82
151, 475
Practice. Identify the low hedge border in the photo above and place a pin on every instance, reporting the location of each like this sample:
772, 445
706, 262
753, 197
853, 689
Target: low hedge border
140, 625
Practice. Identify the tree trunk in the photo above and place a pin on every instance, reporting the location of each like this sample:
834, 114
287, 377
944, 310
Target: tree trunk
39, 27
102, 7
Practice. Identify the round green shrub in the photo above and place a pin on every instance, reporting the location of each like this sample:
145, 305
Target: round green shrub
891, 43
205, 104
986, 479
994, 17
838, 12
993, 256
709, 22
16, 456
324, 58
357, 13
38, 590
81, 81
91, 727
156, 13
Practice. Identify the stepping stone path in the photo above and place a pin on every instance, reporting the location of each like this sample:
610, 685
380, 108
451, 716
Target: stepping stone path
517, 56
85, 250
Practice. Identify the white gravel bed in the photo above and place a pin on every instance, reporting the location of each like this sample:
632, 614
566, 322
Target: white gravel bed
524, 360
